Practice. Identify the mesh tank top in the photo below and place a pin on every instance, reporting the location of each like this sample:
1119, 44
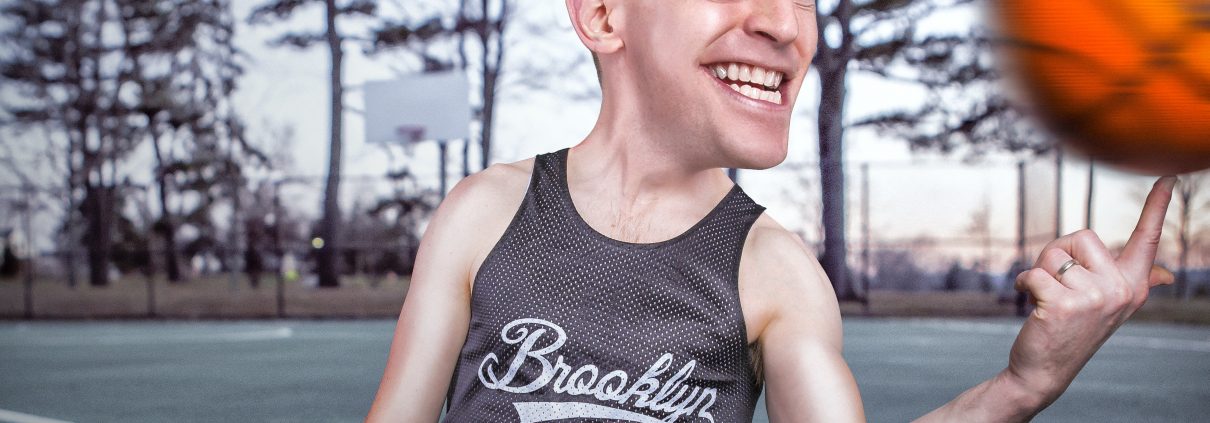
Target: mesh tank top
569, 325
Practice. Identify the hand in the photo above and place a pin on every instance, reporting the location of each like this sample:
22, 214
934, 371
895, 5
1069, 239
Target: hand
1079, 309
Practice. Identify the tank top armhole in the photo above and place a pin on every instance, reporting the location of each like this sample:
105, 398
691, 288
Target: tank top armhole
754, 365
530, 190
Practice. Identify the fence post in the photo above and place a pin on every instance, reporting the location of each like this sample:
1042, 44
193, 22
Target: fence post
278, 250
865, 237
151, 295
1088, 204
1058, 192
1020, 262
29, 253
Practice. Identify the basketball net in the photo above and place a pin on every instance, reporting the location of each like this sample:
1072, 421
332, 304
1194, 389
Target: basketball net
409, 135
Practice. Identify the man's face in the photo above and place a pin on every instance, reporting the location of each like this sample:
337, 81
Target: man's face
721, 76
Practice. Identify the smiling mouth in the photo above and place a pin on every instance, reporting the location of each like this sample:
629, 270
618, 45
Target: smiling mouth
750, 81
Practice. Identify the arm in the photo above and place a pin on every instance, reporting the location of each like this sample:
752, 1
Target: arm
800, 337
436, 312
1076, 313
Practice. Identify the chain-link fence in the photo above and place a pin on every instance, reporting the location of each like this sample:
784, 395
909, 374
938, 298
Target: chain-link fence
912, 226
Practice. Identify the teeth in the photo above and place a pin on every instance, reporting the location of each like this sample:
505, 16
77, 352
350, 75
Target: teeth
748, 73
764, 82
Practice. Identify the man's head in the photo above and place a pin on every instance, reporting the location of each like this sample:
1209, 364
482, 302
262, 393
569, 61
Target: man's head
719, 77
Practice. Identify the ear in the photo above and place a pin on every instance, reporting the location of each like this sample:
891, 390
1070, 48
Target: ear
594, 22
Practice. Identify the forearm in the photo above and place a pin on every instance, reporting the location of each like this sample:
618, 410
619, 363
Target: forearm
1003, 398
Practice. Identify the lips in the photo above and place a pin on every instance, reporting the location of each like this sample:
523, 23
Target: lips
750, 80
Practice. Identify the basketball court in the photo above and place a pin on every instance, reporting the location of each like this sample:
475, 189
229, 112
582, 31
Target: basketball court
327, 371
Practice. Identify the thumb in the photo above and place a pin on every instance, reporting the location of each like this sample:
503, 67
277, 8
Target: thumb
1160, 276
1139, 253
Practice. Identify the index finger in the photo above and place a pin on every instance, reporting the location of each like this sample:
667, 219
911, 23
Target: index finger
1139, 253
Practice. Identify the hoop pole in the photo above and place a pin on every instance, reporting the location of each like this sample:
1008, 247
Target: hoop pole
443, 148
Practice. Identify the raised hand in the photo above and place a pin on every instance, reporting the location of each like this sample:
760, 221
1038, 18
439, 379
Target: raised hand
1083, 295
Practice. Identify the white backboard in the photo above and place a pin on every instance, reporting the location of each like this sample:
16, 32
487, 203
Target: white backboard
438, 102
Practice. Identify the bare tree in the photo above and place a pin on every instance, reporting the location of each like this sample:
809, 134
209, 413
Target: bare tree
184, 77
108, 76
277, 10
964, 108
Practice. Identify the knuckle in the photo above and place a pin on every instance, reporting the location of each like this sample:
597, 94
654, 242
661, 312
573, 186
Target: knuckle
1138, 301
1054, 254
1122, 297
1065, 307
1150, 237
1095, 299
1087, 236
1036, 273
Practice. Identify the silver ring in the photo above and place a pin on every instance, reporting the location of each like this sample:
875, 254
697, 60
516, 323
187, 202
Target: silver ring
1065, 267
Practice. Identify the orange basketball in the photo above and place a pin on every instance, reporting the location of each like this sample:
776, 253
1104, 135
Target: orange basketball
1126, 82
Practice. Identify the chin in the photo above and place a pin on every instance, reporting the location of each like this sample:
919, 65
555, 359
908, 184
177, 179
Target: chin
758, 156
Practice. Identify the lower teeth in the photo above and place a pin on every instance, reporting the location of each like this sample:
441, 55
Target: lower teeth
757, 93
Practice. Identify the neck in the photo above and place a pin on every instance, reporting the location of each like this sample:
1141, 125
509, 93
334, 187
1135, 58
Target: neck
638, 156
621, 174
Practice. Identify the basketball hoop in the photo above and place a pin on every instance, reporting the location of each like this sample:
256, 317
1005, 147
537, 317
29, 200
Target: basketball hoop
410, 133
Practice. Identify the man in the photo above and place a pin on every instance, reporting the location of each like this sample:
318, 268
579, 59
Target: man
627, 279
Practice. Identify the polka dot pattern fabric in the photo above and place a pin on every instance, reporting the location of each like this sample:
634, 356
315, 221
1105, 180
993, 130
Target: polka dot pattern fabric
569, 325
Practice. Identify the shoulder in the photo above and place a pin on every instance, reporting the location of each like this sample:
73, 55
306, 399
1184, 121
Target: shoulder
477, 212
499, 182
473, 216
485, 194
781, 281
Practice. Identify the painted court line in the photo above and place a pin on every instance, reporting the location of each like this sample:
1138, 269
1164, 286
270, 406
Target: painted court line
268, 334
1149, 342
15, 417
1170, 344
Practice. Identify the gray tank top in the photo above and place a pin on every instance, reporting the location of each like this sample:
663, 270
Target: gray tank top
569, 325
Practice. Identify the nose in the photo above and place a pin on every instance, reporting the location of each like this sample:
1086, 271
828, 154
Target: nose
774, 20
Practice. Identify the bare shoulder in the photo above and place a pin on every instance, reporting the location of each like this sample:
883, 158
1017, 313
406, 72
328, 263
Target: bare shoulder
779, 278
478, 210
501, 182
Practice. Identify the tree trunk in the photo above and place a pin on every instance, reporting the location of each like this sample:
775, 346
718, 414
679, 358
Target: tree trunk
488, 28
329, 229
832, 64
167, 226
466, 147
172, 265
70, 222
832, 178
97, 208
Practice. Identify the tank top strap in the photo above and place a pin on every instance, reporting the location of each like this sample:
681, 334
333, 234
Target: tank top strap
545, 195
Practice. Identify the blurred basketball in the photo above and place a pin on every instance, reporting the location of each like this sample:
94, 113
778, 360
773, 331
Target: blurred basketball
1126, 82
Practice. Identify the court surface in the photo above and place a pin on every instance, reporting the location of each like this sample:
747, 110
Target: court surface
327, 371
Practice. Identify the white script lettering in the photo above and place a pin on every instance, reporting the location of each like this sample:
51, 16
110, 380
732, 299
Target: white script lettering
673, 395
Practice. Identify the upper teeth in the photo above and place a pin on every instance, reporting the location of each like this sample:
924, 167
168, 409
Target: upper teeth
740, 72
748, 73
